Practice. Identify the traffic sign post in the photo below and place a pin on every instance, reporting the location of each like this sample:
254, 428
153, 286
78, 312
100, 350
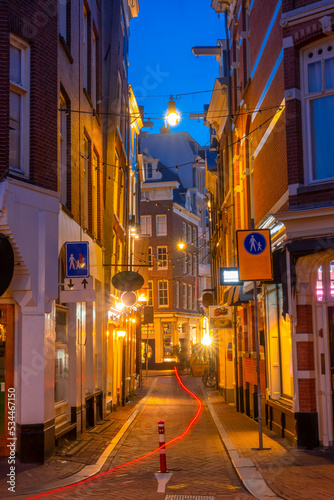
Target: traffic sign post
77, 259
254, 255
255, 264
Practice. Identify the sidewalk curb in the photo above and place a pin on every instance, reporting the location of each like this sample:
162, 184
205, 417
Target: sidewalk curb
245, 467
91, 470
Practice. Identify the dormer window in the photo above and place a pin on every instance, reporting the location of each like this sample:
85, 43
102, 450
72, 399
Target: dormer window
149, 171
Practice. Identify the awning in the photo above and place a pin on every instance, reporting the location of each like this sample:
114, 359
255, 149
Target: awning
235, 296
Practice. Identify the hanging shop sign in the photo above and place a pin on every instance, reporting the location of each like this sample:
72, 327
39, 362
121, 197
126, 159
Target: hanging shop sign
254, 255
6, 263
77, 259
220, 317
229, 276
127, 281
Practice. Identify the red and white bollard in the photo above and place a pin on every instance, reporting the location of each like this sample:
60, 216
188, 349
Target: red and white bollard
161, 428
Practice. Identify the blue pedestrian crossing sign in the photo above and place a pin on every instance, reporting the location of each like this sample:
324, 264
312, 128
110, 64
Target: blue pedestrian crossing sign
77, 259
254, 255
255, 243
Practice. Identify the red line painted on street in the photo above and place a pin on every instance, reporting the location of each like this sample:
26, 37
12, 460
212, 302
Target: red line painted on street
192, 422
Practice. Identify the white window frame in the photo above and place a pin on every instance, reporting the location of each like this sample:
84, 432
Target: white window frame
150, 257
162, 293
307, 98
23, 90
161, 225
162, 256
146, 222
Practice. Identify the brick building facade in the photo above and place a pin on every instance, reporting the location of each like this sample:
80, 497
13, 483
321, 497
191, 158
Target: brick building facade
66, 175
275, 173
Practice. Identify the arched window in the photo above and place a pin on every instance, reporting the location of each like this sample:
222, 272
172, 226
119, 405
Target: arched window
324, 286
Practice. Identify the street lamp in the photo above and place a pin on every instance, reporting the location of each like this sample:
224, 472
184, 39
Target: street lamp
121, 334
181, 245
172, 115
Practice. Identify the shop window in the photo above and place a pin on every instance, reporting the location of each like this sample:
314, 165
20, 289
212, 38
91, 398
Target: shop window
279, 346
61, 361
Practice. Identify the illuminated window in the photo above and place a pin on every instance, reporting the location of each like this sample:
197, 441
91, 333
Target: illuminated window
331, 277
319, 285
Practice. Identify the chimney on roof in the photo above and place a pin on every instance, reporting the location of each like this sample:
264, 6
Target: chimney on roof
165, 130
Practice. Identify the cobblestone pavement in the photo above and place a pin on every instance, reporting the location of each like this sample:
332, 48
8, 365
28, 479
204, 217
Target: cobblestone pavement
201, 467
291, 473
199, 462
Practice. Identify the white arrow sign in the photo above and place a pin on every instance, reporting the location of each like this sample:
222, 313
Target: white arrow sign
76, 284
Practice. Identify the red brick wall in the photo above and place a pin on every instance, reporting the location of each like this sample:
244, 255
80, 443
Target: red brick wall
307, 399
304, 318
305, 356
36, 23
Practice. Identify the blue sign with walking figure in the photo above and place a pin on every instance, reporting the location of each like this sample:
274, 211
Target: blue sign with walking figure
77, 259
255, 243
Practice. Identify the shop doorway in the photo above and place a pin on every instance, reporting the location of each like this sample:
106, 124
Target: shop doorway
6, 374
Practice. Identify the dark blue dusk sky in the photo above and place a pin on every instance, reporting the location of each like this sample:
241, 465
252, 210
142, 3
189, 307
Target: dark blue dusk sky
162, 64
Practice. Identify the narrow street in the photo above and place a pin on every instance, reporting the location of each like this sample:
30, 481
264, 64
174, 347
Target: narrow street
199, 462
